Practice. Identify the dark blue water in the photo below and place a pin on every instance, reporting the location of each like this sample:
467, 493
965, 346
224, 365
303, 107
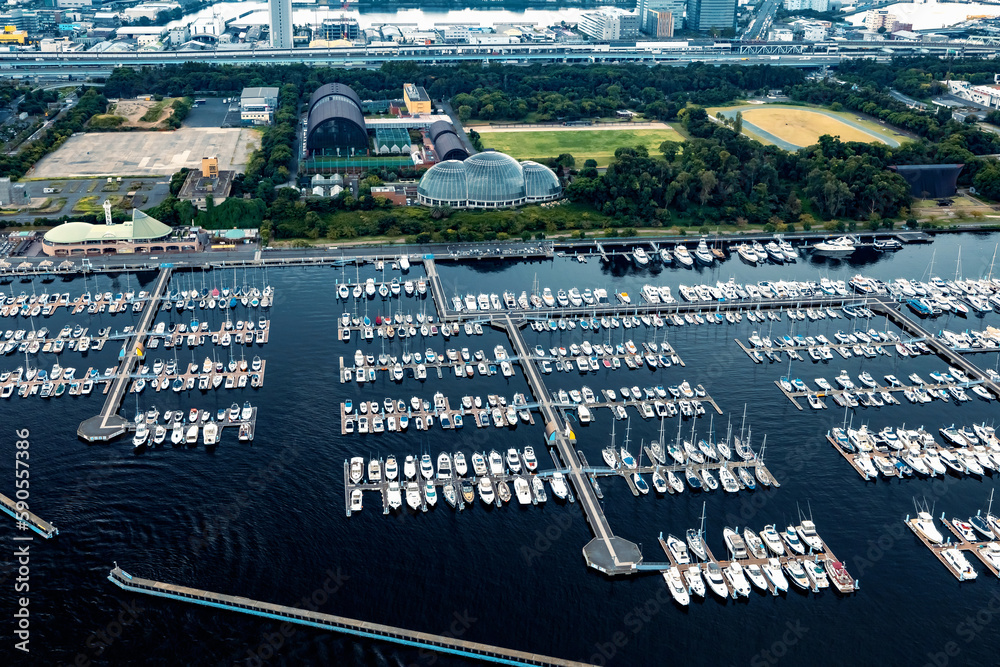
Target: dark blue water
267, 520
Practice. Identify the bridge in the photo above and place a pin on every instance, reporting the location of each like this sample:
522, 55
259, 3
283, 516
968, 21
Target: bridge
340, 624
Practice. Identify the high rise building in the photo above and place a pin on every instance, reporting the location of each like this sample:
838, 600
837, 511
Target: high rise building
711, 14
654, 25
281, 23
659, 23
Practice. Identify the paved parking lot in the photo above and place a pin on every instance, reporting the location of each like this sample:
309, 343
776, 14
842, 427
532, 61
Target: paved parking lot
69, 192
147, 153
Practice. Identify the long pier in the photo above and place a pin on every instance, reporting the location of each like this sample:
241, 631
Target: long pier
30, 519
330, 622
606, 552
109, 424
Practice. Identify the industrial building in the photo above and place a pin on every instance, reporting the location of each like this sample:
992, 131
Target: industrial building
257, 106
336, 125
446, 143
487, 180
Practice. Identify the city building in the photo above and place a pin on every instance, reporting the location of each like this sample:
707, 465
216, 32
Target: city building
653, 17
336, 125
141, 234
257, 106
659, 23
814, 5
11, 35
416, 99
338, 28
281, 23
487, 180
446, 143
149, 10
207, 182
609, 24
877, 19
707, 15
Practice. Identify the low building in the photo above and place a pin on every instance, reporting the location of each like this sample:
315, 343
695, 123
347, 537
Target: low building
208, 182
416, 99
11, 35
13, 194
141, 234
390, 192
257, 105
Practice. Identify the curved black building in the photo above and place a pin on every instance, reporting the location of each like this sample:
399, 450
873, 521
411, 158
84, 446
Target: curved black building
336, 125
334, 90
447, 145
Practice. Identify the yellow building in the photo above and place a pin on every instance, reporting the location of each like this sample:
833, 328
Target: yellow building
11, 35
416, 99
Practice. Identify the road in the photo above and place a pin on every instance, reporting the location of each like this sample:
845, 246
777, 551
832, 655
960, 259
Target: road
762, 21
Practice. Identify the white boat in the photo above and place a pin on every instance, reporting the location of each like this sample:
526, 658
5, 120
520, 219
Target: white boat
357, 469
522, 490
960, 564
695, 582
413, 495
796, 573
807, 531
677, 587
924, 525
772, 569
734, 573
391, 468
772, 539
678, 550
841, 246
559, 487
356, 500
486, 490
210, 433
395, 495
716, 581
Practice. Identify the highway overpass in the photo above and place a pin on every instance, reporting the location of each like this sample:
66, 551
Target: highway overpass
33, 63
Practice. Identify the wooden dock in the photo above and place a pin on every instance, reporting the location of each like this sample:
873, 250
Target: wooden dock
374, 631
28, 518
939, 549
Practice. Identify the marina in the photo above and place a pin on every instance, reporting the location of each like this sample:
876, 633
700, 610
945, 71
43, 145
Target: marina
953, 548
902, 453
573, 415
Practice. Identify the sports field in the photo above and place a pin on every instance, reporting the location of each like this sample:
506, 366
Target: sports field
595, 143
792, 128
803, 127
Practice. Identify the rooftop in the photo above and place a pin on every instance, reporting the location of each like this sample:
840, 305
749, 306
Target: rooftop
140, 227
251, 93
416, 93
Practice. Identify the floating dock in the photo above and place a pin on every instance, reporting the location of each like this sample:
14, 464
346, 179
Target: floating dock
374, 631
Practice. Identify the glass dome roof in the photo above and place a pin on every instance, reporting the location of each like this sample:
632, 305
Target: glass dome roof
446, 182
540, 182
494, 178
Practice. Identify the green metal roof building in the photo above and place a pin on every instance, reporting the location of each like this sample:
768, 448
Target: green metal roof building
143, 233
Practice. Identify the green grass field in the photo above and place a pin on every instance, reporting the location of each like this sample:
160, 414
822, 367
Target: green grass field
599, 145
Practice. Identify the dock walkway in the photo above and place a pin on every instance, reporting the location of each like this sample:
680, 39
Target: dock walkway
32, 520
606, 552
376, 631
109, 424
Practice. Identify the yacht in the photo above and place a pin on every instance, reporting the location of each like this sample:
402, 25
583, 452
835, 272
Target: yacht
923, 524
210, 434
496, 463
678, 550
734, 573
715, 580
841, 246
479, 464
807, 531
486, 490
772, 569
409, 467
522, 490
703, 254
960, 564
413, 495
772, 539
675, 582
683, 256
559, 487
395, 495
640, 257
426, 467
797, 573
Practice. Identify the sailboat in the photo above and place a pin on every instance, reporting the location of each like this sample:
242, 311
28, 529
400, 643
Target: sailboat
695, 538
